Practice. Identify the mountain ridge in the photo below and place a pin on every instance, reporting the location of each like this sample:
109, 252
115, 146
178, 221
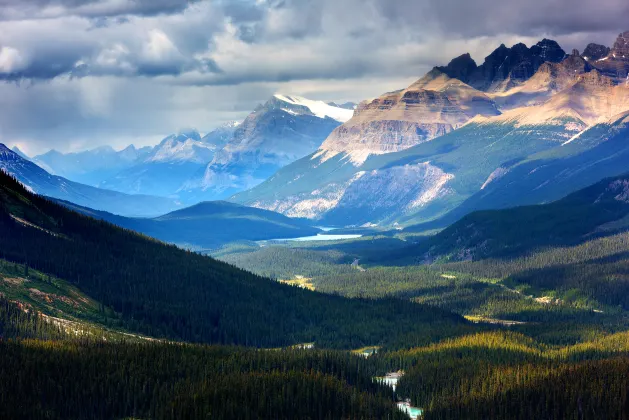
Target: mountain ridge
380, 176
38, 180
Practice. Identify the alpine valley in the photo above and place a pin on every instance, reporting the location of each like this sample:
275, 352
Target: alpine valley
456, 249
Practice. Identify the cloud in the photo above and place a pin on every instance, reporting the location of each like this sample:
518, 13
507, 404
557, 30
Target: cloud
46, 9
110, 71
11, 61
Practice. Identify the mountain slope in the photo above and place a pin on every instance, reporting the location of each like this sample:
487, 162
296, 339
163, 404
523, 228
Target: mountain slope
161, 290
598, 152
599, 210
41, 182
209, 224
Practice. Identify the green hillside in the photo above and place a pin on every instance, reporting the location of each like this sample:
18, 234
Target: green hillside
599, 152
209, 225
163, 291
594, 211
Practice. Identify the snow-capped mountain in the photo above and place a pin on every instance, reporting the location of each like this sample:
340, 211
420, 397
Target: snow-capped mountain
184, 146
417, 154
41, 182
284, 129
173, 162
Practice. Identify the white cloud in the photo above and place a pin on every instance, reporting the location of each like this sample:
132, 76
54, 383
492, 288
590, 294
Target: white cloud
159, 47
11, 60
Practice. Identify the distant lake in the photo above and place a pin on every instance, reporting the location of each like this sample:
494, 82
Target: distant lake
320, 237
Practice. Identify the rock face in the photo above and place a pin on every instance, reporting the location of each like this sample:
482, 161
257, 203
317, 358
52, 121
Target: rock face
463, 68
549, 79
434, 105
505, 67
616, 63
595, 52
621, 46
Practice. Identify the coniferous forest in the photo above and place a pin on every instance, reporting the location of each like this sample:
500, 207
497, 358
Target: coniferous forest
100, 322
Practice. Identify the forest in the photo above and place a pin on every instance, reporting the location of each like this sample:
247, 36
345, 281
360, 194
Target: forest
100, 322
159, 290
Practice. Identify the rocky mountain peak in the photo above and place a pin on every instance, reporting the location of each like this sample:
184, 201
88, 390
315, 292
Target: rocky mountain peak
505, 67
595, 52
621, 46
462, 67
548, 50
615, 63
7, 154
188, 133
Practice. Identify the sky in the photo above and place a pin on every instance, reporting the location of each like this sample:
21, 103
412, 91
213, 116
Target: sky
77, 74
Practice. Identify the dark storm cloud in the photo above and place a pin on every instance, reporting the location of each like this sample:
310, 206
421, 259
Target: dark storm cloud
120, 68
341, 32
21, 9
530, 17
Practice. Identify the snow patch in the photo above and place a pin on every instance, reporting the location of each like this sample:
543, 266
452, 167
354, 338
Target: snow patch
497, 174
318, 108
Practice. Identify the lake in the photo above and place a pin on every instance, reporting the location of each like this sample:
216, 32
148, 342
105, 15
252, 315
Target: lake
319, 237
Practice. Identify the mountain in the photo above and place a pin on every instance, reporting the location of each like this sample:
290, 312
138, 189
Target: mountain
615, 64
38, 180
595, 52
281, 131
235, 156
20, 153
504, 68
434, 105
407, 160
171, 163
92, 166
599, 210
346, 105
549, 79
187, 146
152, 288
423, 181
209, 225
599, 151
